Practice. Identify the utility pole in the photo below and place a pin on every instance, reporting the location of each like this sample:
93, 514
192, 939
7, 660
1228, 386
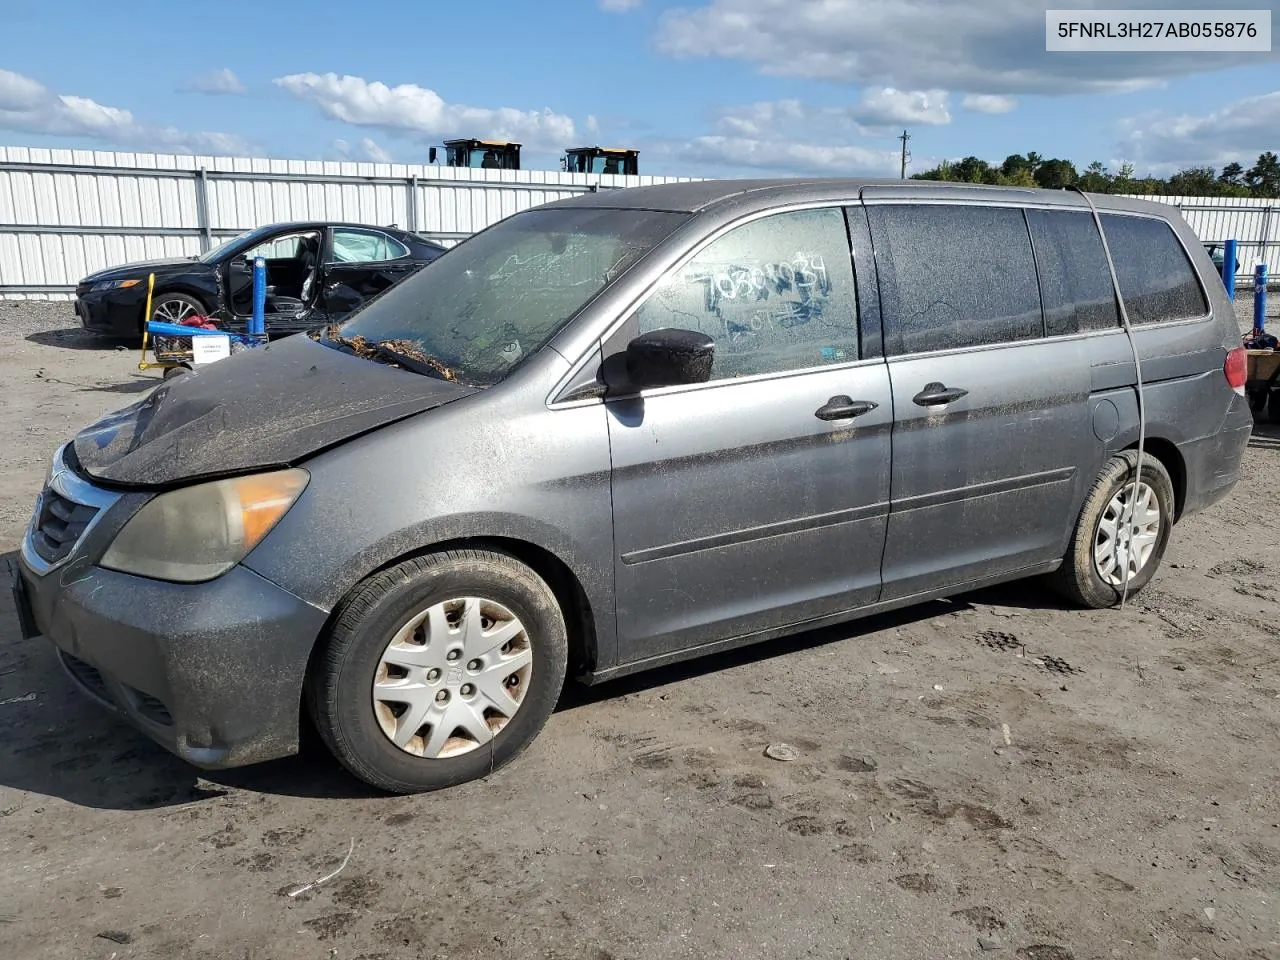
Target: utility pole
905, 155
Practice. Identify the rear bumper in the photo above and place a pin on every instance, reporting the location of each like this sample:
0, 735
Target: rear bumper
212, 671
1213, 463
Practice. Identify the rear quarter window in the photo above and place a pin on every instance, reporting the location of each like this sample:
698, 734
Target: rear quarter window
1157, 280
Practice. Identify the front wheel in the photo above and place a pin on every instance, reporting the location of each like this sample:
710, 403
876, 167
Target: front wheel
439, 670
1121, 534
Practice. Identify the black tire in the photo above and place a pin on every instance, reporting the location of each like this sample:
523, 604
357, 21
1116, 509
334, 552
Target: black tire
339, 684
171, 372
1078, 578
1273, 407
158, 298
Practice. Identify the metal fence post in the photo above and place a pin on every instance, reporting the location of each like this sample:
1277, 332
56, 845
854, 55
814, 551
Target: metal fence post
411, 213
1260, 296
202, 211
1229, 267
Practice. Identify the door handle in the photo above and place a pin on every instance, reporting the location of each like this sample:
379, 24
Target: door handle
844, 408
936, 394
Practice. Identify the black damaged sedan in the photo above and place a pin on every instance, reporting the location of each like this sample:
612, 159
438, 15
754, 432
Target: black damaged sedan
316, 273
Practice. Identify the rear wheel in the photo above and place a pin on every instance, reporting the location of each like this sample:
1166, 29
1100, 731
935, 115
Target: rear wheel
1121, 534
439, 670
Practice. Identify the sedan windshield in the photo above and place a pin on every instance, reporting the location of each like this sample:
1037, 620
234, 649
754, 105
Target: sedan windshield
499, 297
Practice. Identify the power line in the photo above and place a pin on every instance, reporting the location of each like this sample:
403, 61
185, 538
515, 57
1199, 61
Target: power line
906, 155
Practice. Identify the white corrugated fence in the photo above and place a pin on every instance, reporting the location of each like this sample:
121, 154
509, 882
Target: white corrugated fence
1254, 223
66, 213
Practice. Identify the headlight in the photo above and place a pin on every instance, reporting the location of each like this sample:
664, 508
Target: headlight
200, 532
104, 285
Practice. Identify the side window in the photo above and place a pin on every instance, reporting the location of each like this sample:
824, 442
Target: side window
775, 294
288, 247
360, 246
1156, 278
955, 276
1075, 282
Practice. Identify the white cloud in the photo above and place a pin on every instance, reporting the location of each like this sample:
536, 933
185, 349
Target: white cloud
592, 125
988, 103
618, 6
222, 81
1238, 132
791, 137
372, 151
878, 114
979, 46
890, 106
27, 106
783, 156
409, 107
366, 149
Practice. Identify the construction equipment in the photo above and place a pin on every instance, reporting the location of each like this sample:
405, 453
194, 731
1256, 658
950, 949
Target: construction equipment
601, 160
485, 154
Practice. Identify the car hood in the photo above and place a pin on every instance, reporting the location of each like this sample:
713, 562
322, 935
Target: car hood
261, 409
139, 270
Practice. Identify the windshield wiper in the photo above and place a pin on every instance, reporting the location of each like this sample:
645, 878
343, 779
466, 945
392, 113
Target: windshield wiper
398, 353
409, 355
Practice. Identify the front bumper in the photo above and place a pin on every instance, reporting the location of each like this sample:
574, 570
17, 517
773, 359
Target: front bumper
114, 313
212, 671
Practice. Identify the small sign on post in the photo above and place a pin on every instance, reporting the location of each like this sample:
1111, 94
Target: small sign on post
206, 348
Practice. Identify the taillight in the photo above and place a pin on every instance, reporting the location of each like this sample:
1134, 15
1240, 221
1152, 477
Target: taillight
1236, 369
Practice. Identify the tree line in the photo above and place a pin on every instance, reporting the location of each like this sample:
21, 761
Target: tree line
1033, 170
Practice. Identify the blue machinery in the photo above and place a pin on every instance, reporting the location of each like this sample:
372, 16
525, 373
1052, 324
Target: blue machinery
1260, 297
1229, 267
257, 323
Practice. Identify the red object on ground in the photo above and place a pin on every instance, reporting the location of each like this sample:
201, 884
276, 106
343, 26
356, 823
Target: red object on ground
204, 323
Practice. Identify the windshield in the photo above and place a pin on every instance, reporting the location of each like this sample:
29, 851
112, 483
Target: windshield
227, 246
495, 300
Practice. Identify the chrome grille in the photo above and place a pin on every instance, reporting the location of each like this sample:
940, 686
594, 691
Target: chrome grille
66, 511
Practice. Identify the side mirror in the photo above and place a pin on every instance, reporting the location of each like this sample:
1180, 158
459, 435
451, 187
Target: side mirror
668, 358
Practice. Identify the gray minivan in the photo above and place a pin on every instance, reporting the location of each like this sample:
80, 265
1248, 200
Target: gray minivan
628, 428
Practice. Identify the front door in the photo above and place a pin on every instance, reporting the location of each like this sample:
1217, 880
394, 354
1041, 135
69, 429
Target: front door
758, 499
362, 264
292, 260
991, 420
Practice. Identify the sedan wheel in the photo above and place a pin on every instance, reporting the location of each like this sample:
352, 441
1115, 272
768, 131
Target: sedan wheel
173, 309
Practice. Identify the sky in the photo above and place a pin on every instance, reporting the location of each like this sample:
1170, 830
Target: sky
700, 87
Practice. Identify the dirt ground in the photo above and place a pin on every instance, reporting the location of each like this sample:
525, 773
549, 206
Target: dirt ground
992, 776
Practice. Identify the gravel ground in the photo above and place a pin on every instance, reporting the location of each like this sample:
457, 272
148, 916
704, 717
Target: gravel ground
990, 776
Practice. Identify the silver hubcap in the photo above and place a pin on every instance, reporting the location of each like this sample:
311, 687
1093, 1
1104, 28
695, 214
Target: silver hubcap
452, 677
1121, 548
171, 311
